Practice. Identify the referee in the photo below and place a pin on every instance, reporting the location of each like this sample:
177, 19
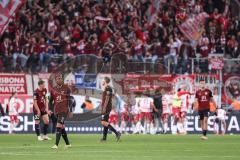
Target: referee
157, 108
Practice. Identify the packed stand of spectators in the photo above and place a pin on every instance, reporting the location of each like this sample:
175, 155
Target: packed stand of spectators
46, 33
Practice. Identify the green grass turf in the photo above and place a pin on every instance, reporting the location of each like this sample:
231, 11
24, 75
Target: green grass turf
132, 147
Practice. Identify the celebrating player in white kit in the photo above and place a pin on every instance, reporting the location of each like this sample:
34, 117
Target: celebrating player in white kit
12, 109
185, 97
146, 106
166, 111
220, 121
136, 117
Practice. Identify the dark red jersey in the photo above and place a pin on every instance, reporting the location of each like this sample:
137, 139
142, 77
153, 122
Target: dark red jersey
204, 98
60, 96
107, 100
40, 97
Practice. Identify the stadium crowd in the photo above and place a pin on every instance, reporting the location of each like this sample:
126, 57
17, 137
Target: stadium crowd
45, 33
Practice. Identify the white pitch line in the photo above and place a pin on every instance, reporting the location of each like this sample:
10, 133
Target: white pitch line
129, 156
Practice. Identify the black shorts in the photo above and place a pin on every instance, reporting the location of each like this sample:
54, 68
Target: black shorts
203, 113
61, 117
105, 117
36, 117
157, 115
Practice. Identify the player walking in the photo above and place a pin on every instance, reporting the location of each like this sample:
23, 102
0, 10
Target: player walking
106, 109
62, 108
12, 109
40, 110
203, 98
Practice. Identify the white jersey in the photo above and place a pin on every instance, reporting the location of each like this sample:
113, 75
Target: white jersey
221, 114
12, 106
136, 108
145, 104
165, 103
185, 97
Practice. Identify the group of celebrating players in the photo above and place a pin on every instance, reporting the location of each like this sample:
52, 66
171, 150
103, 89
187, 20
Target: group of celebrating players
145, 115
149, 112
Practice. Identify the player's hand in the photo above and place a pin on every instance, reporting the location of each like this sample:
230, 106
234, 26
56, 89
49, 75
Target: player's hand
156, 110
48, 112
70, 115
38, 113
104, 111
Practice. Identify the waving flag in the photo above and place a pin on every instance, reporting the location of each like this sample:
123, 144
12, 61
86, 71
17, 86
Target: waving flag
8, 8
193, 27
153, 10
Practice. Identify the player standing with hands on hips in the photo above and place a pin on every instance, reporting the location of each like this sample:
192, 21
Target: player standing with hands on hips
106, 109
40, 110
203, 98
62, 108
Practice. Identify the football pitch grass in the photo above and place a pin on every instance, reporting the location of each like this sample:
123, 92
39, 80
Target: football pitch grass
132, 147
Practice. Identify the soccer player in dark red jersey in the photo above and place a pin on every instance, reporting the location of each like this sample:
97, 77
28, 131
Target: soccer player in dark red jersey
203, 98
106, 109
40, 110
62, 109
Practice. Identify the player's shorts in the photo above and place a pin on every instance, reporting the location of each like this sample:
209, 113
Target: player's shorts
13, 118
124, 117
203, 113
165, 116
176, 112
113, 119
61, 117
135, 118
36, 117
105, 118
146, 115
221, 120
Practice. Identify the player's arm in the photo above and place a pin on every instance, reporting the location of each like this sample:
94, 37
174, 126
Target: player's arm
154, 107
195, 103
104, 107
212, 100
35, 105
70, 114
46, 104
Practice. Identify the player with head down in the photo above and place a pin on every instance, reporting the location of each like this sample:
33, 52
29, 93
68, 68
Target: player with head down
40, 110
203, 98
62, 108
106, 109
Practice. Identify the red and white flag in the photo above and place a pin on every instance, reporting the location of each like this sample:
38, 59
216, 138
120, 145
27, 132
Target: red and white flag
153, 10
8, 8
193, 27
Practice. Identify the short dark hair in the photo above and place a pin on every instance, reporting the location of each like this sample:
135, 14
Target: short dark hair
40, 82
107, 80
